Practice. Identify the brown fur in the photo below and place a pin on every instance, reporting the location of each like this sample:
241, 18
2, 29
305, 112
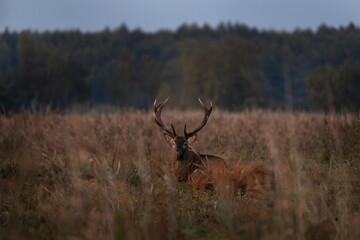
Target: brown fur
206, 172
251, 176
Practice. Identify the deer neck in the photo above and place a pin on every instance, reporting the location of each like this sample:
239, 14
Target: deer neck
183, 167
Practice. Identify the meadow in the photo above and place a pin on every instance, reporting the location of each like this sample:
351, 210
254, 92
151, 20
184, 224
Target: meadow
108, 176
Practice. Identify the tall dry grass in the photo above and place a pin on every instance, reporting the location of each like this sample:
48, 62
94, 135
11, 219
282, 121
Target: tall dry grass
108, 176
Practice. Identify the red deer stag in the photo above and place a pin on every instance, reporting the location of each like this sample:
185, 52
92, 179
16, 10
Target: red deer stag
202, 171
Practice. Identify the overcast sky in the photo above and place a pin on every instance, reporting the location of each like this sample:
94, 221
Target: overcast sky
152, 15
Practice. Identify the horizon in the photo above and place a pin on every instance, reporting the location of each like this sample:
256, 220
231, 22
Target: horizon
160, 15
214, 28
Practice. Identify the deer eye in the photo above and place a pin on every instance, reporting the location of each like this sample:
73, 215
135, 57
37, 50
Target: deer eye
184, 146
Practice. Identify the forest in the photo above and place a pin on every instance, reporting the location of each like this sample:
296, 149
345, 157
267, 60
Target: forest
236, 66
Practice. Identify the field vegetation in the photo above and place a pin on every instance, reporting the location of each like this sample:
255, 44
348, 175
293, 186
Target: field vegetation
108, 176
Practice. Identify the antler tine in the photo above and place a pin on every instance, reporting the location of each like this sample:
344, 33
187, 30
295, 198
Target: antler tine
207, 112
173, 129
157, 115
203, 105
160, 105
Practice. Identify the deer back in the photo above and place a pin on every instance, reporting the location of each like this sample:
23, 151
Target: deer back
251, 176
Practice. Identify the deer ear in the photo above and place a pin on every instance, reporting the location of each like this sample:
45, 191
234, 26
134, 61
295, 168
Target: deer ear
192, 139
169, 138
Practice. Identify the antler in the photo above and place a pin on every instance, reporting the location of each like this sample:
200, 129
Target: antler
206, 116
157, 115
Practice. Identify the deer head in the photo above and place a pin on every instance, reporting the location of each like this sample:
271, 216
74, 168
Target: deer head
180, 144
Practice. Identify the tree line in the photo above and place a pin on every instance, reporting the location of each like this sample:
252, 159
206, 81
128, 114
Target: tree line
236, 66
